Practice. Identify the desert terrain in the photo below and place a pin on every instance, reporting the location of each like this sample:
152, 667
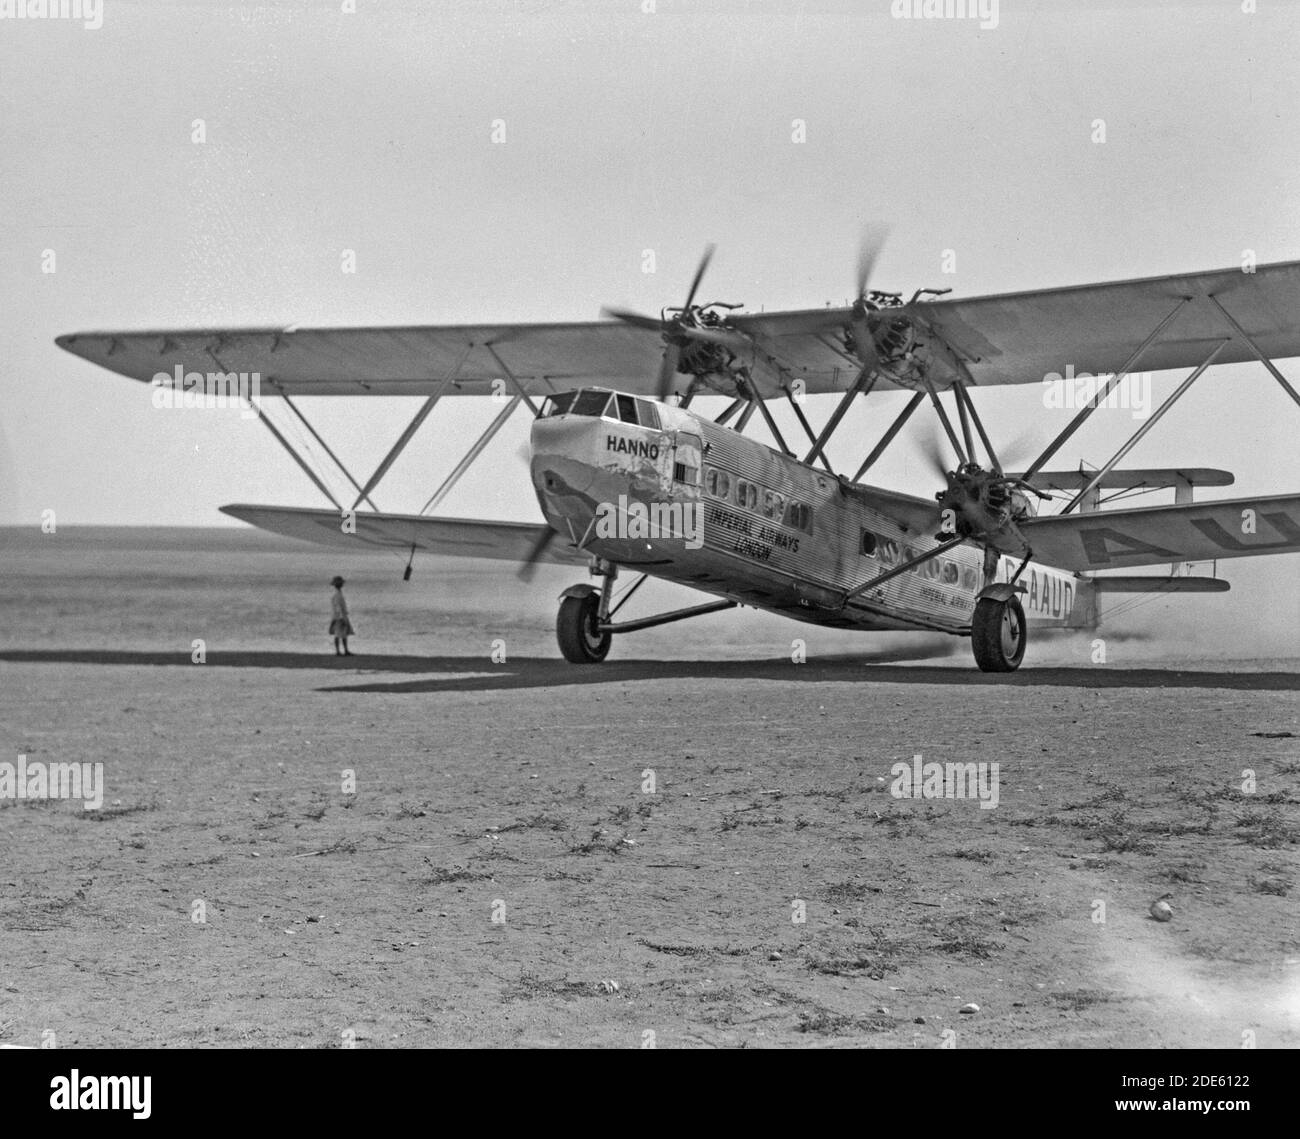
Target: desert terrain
692, 845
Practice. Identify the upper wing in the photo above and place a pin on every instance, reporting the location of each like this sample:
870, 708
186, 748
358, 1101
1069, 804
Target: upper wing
453, 537
390, 361
1154, 535
1019, 338
1011, 338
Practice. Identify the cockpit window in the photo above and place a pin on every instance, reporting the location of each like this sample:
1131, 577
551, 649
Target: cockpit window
590, 403
558, 404
613, 405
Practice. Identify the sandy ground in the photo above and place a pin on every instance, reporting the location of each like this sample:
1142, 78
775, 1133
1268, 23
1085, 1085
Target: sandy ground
542, 854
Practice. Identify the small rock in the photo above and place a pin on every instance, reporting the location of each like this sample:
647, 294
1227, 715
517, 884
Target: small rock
774, 956
972, 1007
1161, 910
918, 1020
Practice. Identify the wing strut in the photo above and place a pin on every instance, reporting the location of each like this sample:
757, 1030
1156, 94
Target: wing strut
888, 437
863, 384
297, 458
1102, 392
472, 454
807, 427
903, 567
537, 411
962, 458
1263, 359
734, 406
316, 435
1154, 418
746, 416
759, 402
413, 427
964, 400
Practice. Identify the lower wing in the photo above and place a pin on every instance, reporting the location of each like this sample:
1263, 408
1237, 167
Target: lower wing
453, 537
1196, 531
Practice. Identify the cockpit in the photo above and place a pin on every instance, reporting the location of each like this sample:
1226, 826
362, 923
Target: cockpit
600, 404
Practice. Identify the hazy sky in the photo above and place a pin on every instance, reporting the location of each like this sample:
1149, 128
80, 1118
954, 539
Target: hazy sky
625, 130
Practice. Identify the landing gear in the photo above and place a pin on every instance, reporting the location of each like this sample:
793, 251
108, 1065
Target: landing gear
577, 628
585, 624
998, 634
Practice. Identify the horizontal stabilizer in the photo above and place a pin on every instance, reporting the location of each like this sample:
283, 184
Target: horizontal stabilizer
1133, 583
449, 537
1151, 535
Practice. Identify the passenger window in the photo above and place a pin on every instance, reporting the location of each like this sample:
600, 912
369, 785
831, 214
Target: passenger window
868, 543
951, 575
686, 459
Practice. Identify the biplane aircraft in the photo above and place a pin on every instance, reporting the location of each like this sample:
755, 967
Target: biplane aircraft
629, 478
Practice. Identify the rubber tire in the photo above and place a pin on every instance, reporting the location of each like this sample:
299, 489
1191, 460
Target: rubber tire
575, 629
987, 634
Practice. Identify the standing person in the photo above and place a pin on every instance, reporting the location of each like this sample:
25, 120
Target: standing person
340, 626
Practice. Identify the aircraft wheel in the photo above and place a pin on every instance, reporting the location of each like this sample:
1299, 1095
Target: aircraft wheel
576, 630
998, 634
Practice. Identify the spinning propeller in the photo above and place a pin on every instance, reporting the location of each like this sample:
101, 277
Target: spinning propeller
693, 329
978, 503
863, 337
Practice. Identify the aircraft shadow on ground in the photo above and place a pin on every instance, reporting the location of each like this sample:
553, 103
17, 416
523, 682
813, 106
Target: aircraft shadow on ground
479, 674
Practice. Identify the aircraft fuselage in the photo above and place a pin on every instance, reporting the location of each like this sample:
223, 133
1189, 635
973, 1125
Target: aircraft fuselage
660, 490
